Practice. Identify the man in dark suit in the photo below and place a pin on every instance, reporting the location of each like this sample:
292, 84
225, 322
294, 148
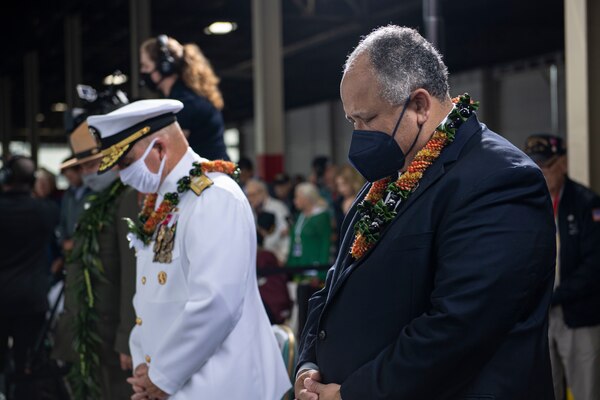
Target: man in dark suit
574, 327
445, 293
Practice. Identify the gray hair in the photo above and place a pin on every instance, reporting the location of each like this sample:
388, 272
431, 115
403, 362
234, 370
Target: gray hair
311, 192
260, 185
402, 61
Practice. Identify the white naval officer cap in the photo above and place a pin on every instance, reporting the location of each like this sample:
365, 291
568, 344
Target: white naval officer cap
119, 130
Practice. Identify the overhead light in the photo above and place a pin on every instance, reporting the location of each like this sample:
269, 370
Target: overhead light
115, 79
59, 107
220, 28
39, 117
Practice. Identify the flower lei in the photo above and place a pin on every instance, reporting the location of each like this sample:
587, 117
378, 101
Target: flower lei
149, 218
379, 205
84, 375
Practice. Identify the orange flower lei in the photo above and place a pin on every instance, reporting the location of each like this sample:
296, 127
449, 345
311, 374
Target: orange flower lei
149, 218
379, 205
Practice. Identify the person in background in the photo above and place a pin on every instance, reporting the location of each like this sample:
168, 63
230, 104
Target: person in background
26, 231
45, 185
72, 204
277, 240
45, 189
574, 330
272, 286
322, 175
246, 167
348, 182
282, 189
183, 73
107, 269
310, 244
311, 232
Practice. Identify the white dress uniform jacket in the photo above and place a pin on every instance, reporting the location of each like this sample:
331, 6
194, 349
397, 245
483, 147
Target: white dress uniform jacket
202, 328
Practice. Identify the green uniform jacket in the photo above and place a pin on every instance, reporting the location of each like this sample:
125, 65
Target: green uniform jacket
114, 297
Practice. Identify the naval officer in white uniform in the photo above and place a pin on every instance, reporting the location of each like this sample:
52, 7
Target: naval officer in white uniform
201, 330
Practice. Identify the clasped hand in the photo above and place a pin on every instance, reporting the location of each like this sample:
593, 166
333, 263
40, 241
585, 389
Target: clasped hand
143, 387
309, 387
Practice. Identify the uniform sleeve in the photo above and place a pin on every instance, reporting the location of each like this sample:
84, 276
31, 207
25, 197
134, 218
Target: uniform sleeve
135, 347
219, 243
585, 279
128, 208
495, 255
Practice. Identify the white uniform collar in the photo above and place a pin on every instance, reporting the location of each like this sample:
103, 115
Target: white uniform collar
181, 169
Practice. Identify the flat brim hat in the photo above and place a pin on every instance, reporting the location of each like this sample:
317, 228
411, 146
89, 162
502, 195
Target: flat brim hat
541, 147
84, 146
119, 130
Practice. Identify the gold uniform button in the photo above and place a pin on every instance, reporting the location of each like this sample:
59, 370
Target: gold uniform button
143, 280
162, 277
138, 321
148, 359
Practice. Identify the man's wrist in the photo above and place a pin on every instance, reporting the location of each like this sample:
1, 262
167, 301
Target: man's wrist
305, 367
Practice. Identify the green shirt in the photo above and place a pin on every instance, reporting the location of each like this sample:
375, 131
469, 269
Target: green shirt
310, 241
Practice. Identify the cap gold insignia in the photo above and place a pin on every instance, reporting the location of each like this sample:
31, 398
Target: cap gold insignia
114, 152
199, 183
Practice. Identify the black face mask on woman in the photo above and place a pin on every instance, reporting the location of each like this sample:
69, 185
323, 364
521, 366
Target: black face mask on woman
146, 81
375, 154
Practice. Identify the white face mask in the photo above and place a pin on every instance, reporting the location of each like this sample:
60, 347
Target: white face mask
138, 176
99, 182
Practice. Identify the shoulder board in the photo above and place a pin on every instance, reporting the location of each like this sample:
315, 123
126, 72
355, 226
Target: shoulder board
199, 183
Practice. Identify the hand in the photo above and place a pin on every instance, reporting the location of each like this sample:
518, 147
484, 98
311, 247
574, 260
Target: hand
68, 245
140, 371
126, 362
57, 265
142, 381
300, 390
319, 391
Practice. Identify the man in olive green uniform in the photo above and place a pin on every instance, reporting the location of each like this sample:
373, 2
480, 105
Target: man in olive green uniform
112, 285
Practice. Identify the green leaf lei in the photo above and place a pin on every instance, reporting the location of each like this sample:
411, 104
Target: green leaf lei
84, 375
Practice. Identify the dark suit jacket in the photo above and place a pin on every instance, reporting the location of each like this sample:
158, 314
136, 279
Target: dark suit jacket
579, 290
26, 231
452, 303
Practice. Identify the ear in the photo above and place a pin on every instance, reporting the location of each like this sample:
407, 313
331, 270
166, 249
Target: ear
161, 146
422, 102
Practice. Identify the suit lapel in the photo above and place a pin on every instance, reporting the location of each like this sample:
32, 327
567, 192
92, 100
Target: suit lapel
433, 174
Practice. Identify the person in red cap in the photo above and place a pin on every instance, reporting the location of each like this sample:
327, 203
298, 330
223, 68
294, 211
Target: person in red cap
574, 330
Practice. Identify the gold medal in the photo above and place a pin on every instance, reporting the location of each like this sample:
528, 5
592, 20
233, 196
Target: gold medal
165, 242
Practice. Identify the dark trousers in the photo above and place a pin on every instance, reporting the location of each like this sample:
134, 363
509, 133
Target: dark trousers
24, 331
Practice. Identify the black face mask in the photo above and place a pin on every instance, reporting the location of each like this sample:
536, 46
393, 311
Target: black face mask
146, 81
375, 154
